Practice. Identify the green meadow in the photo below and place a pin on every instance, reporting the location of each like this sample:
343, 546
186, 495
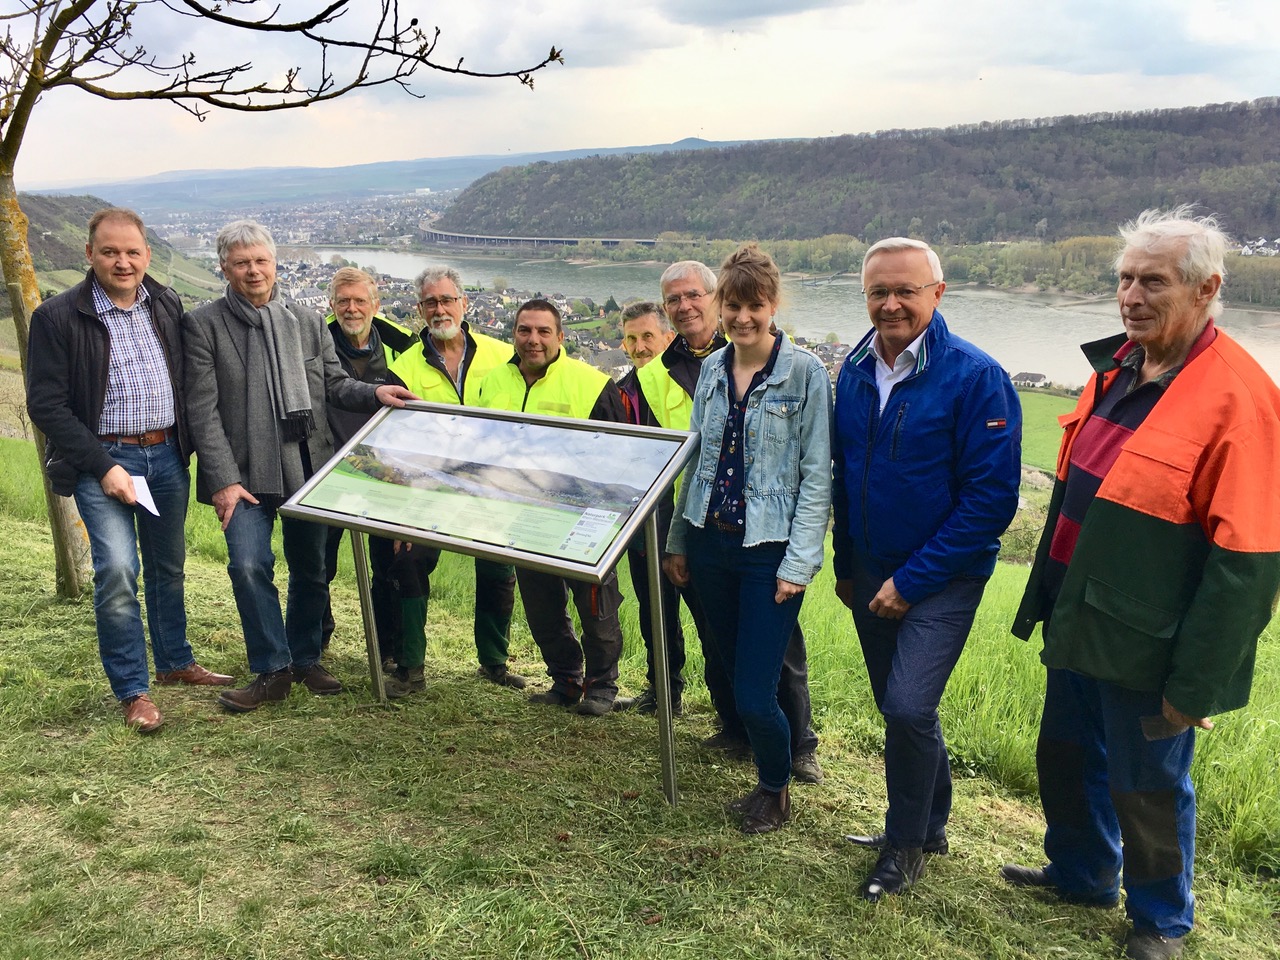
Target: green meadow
465, 823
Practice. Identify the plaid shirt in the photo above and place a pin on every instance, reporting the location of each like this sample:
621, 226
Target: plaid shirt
139, 391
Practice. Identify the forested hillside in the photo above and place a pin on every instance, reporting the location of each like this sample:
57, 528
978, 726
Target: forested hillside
1046, 178
56, 233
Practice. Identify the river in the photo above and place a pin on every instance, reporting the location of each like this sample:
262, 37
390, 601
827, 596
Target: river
1033, 333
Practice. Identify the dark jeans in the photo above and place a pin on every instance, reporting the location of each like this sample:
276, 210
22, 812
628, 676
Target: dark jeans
382, 590
751, 633
117, 534
273, 641
545, 598
909, 662
793, 684
1111, 769
638, 561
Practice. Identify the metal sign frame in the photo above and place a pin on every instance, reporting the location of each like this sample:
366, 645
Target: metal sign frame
665, 465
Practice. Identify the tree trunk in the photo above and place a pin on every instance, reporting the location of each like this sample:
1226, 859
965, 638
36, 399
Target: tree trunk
70, 542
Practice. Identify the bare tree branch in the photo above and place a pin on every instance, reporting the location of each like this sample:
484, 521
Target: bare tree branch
89, 45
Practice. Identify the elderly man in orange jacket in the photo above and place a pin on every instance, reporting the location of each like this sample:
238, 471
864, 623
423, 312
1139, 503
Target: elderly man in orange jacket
1157, 572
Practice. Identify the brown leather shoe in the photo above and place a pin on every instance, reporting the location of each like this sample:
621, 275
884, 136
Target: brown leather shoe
196, 676
768, 812
141, 714
265, 688
318, 680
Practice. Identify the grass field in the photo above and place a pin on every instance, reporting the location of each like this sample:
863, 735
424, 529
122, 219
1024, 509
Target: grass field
1040, 430
466, 823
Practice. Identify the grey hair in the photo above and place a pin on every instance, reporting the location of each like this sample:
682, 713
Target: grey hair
1205, 252
683, 268
644, 308
346, 276
434, 275
243, 233
894, 244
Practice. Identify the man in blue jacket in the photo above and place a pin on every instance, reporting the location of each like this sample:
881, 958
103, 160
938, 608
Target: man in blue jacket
926, 451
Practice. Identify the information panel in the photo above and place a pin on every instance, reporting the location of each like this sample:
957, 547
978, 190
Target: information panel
554, 494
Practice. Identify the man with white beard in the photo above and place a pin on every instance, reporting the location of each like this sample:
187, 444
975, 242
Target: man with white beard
447, 366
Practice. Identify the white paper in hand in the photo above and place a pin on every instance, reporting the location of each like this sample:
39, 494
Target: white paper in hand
143, 493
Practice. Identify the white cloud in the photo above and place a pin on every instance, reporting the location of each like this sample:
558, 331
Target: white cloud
654, 71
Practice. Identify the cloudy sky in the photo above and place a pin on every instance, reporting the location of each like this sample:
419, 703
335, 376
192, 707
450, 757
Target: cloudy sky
656, 71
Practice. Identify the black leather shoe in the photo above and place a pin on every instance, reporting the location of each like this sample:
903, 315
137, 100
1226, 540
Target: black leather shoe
897, 869
878, 841
1149, 945
647, 703
1020, 876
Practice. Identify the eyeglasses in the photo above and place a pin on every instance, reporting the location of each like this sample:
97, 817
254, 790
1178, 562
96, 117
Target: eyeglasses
907, 294
358, 302
430, 304
673, 302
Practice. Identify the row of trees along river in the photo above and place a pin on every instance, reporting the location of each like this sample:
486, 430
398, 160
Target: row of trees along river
1033, 332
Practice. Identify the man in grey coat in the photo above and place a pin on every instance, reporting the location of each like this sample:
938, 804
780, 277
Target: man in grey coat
260, 370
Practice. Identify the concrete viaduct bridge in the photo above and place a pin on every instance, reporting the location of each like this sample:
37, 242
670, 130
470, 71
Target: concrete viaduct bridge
481, 240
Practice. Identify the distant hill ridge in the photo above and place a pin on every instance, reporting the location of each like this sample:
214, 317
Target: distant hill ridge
203, 190
1048, 177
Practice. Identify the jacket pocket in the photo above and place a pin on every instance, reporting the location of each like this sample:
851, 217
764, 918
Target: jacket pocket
899, 419
1070, 423
1152, 475
781, 419
1138, 615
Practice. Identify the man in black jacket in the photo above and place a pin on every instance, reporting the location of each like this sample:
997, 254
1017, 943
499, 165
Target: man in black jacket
646, 333
366, 342
105, 387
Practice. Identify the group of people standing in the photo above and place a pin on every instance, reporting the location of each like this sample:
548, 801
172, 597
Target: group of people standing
1157, 571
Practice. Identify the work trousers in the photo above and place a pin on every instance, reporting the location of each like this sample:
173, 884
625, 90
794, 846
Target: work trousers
589, 668
1115, 784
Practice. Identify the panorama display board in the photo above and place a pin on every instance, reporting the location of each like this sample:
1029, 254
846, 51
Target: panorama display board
558, 495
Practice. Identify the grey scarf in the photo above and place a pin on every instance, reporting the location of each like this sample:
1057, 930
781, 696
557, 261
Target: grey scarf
282, 369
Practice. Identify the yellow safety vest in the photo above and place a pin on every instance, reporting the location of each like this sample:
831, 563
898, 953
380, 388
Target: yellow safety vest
433, 384
569, 388
671, 406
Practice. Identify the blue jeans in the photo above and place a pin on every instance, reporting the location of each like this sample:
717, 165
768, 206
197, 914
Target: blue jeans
638, 561
1112, 769
117, 534
274, 642
909, 662
736, 586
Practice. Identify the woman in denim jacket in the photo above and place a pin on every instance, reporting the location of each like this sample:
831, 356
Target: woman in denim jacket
752, 512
